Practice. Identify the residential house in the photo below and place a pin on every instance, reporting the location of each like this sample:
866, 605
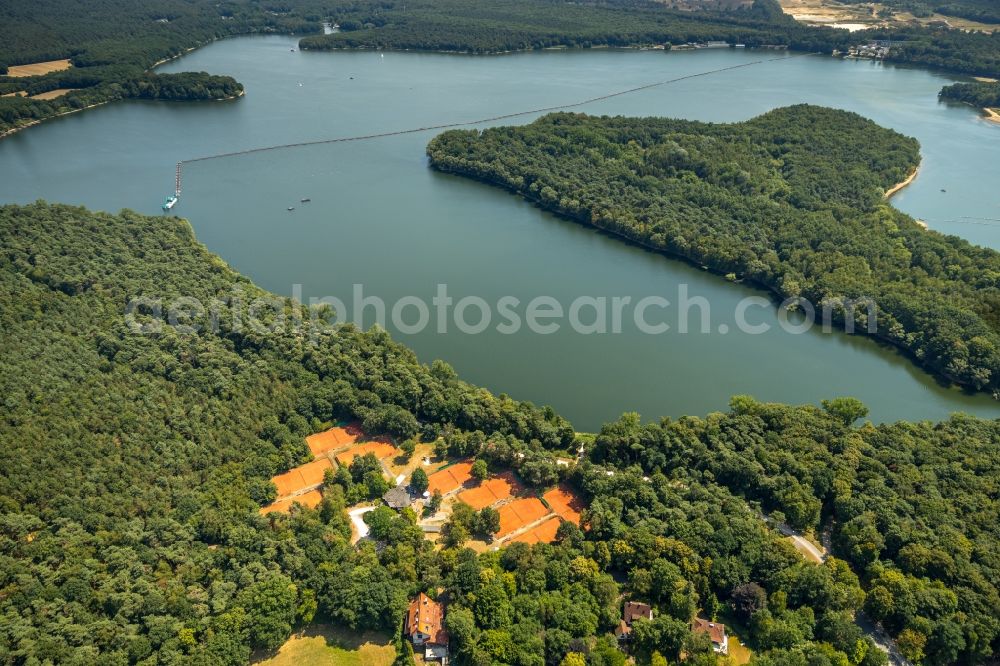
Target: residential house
397, 498
716, 633
632, 611
425, 627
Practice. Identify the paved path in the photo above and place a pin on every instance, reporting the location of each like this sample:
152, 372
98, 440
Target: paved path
802, 544
358, 520
874, 631
881, 639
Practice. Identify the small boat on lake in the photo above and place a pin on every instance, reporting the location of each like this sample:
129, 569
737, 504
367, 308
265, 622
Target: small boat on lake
291, 208
170, 202
306, 200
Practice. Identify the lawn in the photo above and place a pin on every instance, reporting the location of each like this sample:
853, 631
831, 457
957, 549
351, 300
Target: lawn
333, 646
739, 653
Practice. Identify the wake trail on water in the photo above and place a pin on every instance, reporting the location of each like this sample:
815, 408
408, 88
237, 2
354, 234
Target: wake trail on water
465, 123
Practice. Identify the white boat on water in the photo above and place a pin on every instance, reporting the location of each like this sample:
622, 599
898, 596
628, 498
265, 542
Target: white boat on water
170, 202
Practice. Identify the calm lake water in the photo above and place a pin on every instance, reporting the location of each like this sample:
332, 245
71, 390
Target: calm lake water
381, 218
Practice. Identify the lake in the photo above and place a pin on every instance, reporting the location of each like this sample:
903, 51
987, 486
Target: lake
380, 218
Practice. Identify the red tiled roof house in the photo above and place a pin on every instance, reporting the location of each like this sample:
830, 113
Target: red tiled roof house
632, 611
425, 627
716, 633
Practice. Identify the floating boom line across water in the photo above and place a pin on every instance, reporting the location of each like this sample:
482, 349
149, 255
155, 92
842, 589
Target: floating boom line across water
465, 123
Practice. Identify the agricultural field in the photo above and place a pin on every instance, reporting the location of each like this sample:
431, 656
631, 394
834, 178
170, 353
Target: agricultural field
38, 68
53, 94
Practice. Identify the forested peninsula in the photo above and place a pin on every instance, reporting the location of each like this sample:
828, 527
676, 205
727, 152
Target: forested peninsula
791, 201
981, 94
113, 44
135, 465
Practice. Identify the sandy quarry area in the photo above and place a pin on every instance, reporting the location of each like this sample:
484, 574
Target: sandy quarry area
859, 16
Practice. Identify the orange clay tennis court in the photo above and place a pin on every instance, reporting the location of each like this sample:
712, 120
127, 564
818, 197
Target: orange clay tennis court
500, 487
542, 533
310, 499
565, 504
450, 478
301, 477
334, 438
381, 448
519, 513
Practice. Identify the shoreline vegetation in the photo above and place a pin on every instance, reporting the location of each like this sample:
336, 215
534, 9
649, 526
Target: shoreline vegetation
13, 130
455, 25
902, 184
766, 225
890, 193
983, 95
151, 480
102, 59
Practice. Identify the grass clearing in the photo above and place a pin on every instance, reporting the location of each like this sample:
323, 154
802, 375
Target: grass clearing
331, 645
739, 653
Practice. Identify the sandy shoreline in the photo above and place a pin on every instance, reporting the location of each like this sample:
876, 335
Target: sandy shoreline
896, 188
231, 97
166, 60
992, 115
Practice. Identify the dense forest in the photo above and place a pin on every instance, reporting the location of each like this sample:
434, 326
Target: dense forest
509, 25
134, 466
463, 25
913, 506
792, 201
983, 95
975, 10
